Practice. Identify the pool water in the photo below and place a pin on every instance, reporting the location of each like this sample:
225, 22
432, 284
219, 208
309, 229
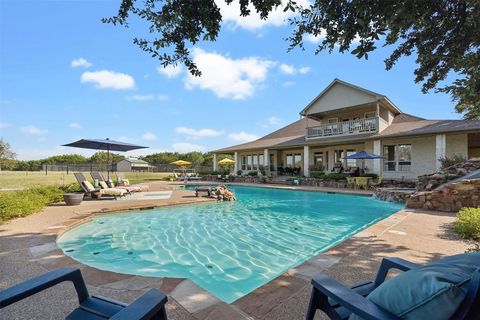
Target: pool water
227, 248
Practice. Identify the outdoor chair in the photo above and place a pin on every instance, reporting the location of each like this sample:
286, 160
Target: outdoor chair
448, 286
150, 305
105, 184
351, 182
93, 192
121, 179
361, 182
376, 184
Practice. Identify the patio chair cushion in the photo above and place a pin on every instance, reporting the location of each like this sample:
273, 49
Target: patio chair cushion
110, 183
88, 186
437, 288
103, 184
113, 192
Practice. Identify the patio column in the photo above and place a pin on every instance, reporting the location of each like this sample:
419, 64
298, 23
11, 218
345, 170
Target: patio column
235, 166
306, 161
215, 162
377, 165
440, 149
266, 161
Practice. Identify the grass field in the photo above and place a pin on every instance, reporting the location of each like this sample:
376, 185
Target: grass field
23, 179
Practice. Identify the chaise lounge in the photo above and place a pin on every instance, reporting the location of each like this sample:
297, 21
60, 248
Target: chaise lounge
448, 288
93, 192
104, 184
150, 305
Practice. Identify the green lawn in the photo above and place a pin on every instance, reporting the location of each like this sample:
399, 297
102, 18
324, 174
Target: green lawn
22, 179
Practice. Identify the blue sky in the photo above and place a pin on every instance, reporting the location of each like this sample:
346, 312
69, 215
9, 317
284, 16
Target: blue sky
65, 76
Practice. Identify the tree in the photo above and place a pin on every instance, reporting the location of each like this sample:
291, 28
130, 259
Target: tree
66, 158
100, 157
6, 155
444, 34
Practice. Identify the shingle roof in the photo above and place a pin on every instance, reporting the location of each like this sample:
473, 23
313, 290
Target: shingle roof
136, 161
404, 124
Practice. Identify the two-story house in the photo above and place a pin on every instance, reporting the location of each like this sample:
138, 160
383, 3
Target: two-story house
344, 119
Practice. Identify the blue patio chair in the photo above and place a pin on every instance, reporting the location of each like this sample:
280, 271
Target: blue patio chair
340, 302
150, 305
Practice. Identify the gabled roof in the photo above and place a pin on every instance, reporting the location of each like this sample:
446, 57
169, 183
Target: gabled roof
378, 96
136, 161
285, 135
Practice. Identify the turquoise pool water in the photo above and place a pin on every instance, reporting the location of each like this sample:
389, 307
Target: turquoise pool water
227, 248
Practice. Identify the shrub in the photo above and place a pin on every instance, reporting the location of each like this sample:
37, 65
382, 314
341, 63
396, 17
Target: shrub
371, 175
239, 172
253, 173
450, 161
317, 174
335, 176
317, 167
20, 203
468, 223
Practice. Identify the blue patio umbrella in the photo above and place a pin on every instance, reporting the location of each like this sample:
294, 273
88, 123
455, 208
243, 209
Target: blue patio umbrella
104, 144
364, 155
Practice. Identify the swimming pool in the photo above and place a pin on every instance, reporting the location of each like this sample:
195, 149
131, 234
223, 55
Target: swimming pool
227, 248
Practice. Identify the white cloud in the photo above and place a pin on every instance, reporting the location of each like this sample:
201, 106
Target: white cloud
243, 136
287, 69
291, 70
287, 84
274, 121
304, 70
109, 79
323, 34
183, 147
80, 62
170, 71
33, 130
146, 97
253, 22
149, 136
198, 133
4, 125
74, 125
226, 77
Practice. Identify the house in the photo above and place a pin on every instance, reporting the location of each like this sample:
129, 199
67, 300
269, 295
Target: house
132, 165
344, 119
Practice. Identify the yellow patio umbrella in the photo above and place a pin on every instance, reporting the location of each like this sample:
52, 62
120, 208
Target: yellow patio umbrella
226, 161
181, 163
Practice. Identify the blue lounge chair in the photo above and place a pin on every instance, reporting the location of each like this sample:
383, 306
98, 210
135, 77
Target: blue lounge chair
150, 305
339, 302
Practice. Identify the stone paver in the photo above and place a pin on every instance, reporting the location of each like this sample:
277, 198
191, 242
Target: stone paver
27, 249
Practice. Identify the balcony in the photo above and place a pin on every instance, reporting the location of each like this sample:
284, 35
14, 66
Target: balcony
344, 128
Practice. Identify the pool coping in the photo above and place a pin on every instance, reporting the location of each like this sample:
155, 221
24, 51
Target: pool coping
194, 299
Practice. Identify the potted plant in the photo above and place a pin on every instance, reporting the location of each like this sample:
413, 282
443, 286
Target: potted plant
73, 198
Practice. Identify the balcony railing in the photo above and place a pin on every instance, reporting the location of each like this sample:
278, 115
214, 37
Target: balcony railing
344, 128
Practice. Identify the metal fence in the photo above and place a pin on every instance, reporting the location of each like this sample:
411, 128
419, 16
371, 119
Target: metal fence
89, 167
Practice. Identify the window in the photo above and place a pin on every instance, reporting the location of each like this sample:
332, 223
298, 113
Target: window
397, 157
318, 158
255, 162
249, 162
337, 156
404, 157
260, 160
298, 160
289, 160
272, 162
351, 162
244, 163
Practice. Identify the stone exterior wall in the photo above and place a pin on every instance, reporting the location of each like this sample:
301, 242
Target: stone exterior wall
431, 181
451, 198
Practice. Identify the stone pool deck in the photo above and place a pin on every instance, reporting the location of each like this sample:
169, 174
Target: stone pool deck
27, 249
